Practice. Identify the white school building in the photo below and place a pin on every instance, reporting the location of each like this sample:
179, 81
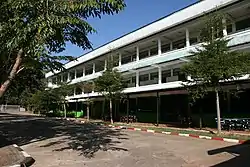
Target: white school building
150, 58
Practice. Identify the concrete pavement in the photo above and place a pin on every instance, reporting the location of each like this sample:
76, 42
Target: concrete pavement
61, 143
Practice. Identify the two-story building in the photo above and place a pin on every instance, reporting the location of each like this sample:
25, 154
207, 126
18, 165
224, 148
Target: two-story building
150, 58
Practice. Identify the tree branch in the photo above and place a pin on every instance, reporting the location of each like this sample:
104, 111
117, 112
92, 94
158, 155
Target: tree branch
12, 74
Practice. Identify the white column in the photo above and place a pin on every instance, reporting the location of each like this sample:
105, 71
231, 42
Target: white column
224, 22
68, 77
75, 73
120, 59
82, 90
233, 27
171, 45
187, 38
93, 68
137, 53
105, 64
137, 79
159, 46
74, 91
159, 75
83, 71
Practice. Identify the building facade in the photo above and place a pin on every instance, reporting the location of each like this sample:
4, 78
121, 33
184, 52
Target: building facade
150, 57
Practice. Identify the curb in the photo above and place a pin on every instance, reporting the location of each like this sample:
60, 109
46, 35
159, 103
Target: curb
187, 135
179, 134
28, 161
236, 141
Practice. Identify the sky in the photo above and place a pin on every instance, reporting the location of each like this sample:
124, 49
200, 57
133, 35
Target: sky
137, 14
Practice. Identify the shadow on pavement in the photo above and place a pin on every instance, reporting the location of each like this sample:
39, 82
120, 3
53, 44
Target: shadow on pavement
241, 153
85, 138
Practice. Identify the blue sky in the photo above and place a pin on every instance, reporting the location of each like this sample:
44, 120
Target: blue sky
137, 14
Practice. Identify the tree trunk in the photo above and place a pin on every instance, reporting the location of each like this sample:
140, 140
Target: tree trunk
12, 74
110, 108
218, 111
65, 111
87, 112
200, 118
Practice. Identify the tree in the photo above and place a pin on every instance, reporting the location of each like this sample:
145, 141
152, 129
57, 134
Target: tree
50, 99
214, 64
61, 92
23, 86
32, 30
110, 85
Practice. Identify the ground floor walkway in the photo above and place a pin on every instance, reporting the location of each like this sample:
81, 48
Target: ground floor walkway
170, 106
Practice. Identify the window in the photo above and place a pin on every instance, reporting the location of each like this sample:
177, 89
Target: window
144, 54
165, 74
78, 91
88, 70
133, 79
65, 77
176, 71
99, 66
127, 59
59, 79
72, 75
179, 44
193, 41
165, 48
54, 80
229, 28
144, 77
116, 61
243, 24
153, 51
79, 73
154, 76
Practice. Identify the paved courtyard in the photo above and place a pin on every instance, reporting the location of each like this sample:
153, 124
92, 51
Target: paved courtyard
59, 143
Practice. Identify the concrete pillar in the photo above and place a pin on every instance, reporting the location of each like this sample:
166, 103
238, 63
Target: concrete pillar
127, 107
224, 22
83, 71
120, 59
159, 46
159, 75
158, 108
105, 64
68, 77
75, 73
171, 45
93, 68
228, 102
187, 38
137, 79
233, 27
137, 53
74, 91
136, 104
